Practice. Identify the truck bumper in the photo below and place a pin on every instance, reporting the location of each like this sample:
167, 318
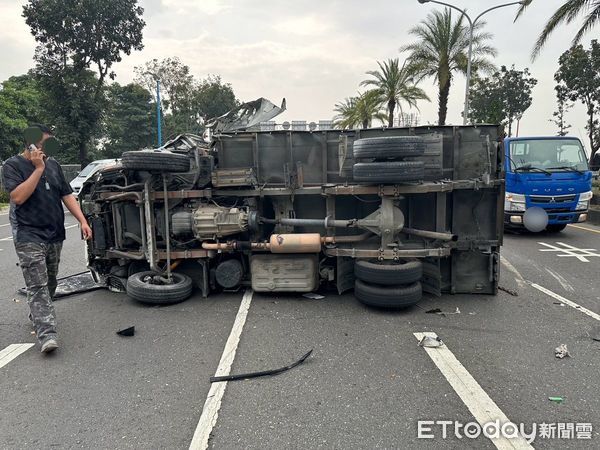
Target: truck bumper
515, 219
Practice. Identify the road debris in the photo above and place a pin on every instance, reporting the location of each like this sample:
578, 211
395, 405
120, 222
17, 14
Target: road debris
16, 300
442, 313
508, 291
561, 351
556, 399
245, 376
72, 284
559, 303
129, 331
431, 342
595, 333
313, 296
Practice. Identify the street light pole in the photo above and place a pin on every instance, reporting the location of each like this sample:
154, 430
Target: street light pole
472, 24
158, 118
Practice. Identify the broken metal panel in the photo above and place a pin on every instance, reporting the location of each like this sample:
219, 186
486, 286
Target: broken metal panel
246, 116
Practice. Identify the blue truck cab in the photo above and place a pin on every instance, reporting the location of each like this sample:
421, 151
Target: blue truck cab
551, 173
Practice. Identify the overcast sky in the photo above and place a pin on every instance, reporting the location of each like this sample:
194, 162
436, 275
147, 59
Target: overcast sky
314, 53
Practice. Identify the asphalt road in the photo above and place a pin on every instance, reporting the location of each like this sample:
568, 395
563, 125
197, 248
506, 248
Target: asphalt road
366, 384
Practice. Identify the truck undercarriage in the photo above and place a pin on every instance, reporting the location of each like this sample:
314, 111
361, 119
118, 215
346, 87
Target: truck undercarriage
390, 212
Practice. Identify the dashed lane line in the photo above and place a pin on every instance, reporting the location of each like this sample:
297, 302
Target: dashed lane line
518, 277
566, 301
12, 351
210, 412
480, 404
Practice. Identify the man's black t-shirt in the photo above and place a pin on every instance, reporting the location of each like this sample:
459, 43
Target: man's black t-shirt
41, 218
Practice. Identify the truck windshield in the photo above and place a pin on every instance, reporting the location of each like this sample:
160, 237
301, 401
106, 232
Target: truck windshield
549, 155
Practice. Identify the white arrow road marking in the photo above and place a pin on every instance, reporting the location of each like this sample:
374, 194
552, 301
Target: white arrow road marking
480, 404
210, 412
570, 251
11, 352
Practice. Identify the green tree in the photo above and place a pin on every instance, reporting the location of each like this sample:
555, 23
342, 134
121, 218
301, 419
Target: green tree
129, 122
79, 41
359, 111
563, 106
579, 73
568, 12
502, 98
187, 103
441, 50
20, 105
213, 98
395, 84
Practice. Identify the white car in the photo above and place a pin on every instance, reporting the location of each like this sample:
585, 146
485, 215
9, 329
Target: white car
89, 172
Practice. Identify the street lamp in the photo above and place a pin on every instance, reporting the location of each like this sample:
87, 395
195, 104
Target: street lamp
158, 118
472, 24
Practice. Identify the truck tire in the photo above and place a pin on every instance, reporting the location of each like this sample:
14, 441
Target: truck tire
141, 288
389, 172
156, 161
557, 228
390, 297
388, 147
387, 274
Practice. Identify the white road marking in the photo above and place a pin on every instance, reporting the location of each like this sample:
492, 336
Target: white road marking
480, 404
572, 304
5, 225
10, 238
569, 251
210, 411
518, 277
564, 283
67, 227
12, 351
579, 227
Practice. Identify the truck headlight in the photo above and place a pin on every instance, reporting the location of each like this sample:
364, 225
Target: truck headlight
584, 201
514, 202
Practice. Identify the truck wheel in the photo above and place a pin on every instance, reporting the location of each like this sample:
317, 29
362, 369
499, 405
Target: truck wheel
146, 288
389, 172
156, 161
391, 297
382, 272
389, 147
556, 228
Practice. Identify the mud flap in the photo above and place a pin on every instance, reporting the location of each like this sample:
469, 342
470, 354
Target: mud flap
344, 274
432, 278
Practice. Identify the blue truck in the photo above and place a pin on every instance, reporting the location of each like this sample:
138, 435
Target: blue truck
551, 173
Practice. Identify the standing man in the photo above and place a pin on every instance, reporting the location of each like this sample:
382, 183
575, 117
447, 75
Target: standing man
37, 189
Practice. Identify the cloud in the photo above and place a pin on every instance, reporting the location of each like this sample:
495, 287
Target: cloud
208, 7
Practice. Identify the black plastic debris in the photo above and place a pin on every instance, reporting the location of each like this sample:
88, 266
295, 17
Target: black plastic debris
508, 291
264, 373
130, 331
595, 333
439, 312
73, 284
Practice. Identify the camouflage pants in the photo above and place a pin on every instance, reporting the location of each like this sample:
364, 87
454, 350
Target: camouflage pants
39, 263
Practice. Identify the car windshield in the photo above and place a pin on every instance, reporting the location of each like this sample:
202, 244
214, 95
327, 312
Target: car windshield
554, 155
87, 170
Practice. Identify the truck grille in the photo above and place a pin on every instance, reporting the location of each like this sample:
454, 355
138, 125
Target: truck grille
545, 199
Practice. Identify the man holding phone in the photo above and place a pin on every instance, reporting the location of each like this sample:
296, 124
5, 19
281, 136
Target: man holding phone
38, 188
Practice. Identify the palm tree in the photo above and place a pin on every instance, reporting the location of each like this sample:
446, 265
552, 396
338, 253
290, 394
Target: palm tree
441, 50
395, 84
566, 14
359, 111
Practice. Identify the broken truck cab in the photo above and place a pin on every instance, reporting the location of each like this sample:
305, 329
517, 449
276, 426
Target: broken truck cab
390, 212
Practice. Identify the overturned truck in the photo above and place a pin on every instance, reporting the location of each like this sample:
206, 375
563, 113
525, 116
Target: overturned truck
388, 212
